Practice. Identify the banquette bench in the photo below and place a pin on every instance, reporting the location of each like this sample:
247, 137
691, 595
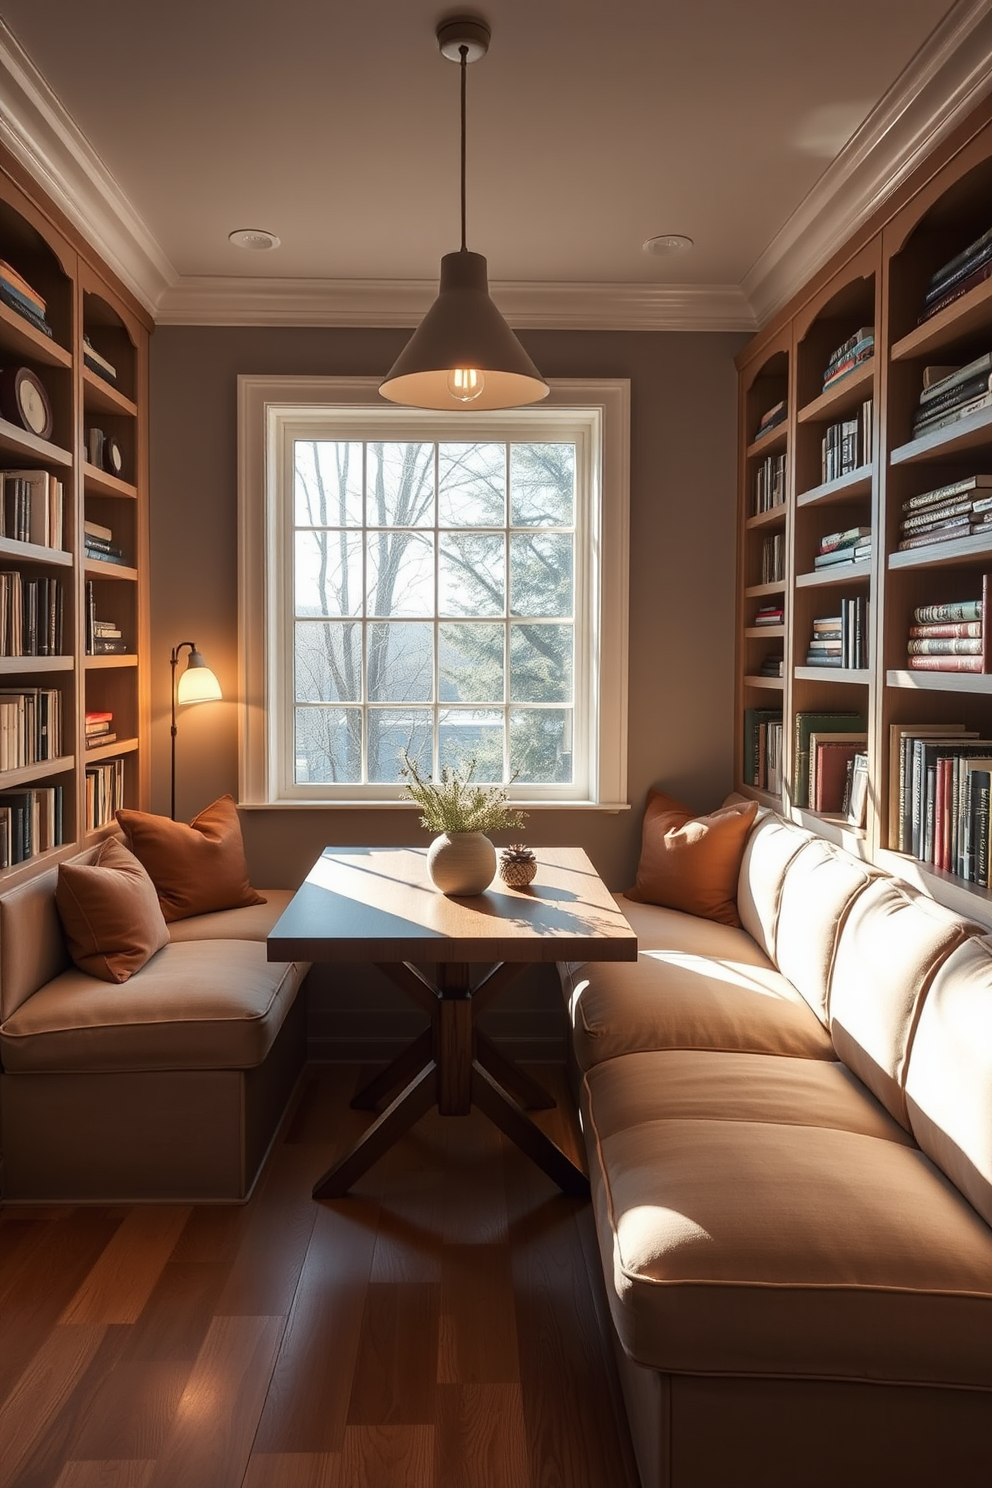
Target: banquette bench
788, 1122
168, 1085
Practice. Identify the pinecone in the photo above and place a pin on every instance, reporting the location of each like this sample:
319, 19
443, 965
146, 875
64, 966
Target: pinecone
517, 865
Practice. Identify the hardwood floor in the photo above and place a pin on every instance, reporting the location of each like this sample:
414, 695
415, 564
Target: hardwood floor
435, 1329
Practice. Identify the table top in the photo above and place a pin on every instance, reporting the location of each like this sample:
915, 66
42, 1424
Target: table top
378, 904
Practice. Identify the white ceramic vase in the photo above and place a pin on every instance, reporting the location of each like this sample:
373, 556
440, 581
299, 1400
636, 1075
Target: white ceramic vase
461, 862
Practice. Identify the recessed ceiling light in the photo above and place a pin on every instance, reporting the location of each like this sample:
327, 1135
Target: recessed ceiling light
666, 244
255, 238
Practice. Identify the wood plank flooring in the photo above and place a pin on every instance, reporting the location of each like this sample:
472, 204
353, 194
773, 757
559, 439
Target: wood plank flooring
434, 1329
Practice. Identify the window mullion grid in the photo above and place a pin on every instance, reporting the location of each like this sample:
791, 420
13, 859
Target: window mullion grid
364, 695
506, 611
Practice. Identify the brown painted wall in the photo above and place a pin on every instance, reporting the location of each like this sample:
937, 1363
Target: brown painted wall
683, 474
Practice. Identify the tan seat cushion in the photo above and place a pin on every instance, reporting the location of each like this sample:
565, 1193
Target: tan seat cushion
254, 922
201, 1005
742, 1244
695, 985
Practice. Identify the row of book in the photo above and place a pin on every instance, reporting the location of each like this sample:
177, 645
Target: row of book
772, 418
103, 637
956, 509
960, 274
98, 543
948, 637
951, 393
30, 726
940, 784
32, 508
104, 792
769, 483
841, 640
30, 823
847, 446
815, 738
773, 558
99, 729
858, 348
763, 748
32, 614
17, 294
851, 545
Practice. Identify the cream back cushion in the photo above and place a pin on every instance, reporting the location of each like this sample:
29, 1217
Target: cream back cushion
819, 887
770, 848
891, 945
949, 1073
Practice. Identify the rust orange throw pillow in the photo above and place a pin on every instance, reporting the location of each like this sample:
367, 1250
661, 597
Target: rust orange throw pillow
110, 913
691, 862
195, 869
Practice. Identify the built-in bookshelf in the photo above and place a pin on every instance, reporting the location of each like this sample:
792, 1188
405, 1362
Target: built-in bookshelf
73, 527
885, 368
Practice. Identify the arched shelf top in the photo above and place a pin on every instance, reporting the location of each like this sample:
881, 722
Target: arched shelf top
109, 350
45, 263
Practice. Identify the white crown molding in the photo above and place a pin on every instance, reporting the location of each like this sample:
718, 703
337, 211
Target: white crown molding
946, 78
43, 137
389, 303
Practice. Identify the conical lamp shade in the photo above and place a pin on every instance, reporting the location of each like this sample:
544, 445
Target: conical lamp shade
463, 330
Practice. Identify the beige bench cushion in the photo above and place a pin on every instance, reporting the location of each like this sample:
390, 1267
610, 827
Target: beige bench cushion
741, 1243
771, 846
890, 948
199, 1005
819, 888
949, 1075
252, 922
696, 984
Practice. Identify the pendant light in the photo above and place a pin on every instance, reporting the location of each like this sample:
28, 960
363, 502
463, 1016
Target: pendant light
463, 356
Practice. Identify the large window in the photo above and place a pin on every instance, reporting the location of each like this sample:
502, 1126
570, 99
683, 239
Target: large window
448, 586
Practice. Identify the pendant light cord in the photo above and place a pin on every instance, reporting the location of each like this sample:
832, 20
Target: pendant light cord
463, 53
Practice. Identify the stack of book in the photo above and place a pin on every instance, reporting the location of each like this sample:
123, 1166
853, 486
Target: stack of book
763, 748
965, 271
17, 294
773, 665
103, 637
771, 614
104, 792
97, 362
99, 730
939, 796
98, 542
771, 418
820, 724
773, 559
853, 545
31, 615
769, 484
952, 393
31, 507
850, 354
955, 510
841, 640
847, 446
30, 823
949, 637
30, 726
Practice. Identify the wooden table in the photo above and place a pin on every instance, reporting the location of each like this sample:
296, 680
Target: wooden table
378, 905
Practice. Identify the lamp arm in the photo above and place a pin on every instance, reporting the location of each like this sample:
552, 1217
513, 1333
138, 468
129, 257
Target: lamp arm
174, 662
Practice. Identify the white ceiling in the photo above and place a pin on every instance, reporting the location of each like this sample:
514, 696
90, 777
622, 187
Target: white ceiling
753, 126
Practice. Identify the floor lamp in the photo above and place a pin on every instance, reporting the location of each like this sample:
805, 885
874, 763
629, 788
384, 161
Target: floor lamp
196, 684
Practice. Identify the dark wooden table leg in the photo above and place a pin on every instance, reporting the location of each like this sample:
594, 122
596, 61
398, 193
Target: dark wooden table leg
513, 1079
396, 1075
407, 1108
511, 1119
454, 1034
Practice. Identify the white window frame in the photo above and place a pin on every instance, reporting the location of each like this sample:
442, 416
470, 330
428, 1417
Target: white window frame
272, 411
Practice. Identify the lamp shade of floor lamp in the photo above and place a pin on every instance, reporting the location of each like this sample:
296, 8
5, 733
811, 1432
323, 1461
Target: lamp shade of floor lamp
195, 684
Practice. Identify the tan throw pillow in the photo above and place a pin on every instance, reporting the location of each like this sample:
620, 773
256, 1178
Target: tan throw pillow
196, 869
110, 913
692, 862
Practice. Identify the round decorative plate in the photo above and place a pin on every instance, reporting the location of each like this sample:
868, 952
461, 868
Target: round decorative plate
24, 401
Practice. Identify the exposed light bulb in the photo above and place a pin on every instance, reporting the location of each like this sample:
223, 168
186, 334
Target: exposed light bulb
466, 383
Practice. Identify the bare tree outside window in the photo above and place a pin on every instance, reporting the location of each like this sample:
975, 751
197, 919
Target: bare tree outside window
434, 609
